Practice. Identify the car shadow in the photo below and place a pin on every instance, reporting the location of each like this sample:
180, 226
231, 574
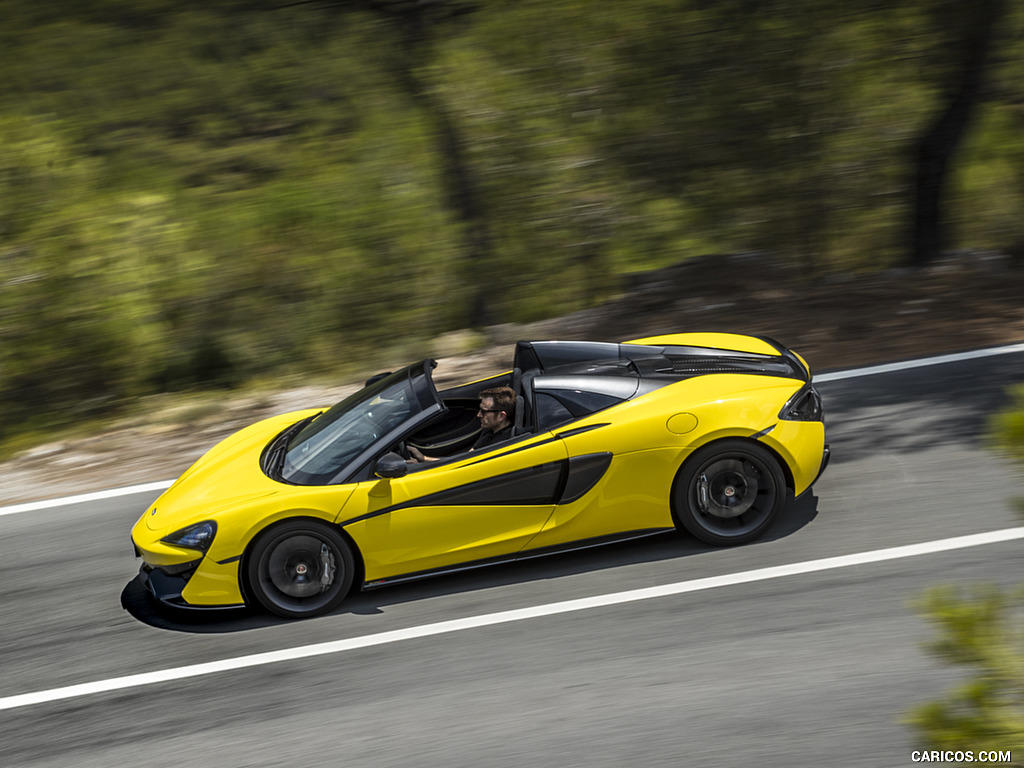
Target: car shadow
143, 607
137, 601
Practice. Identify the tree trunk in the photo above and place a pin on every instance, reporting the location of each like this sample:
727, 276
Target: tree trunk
461, 189
940, 141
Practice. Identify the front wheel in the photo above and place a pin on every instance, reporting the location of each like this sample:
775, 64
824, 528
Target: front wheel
299, 569
729, 492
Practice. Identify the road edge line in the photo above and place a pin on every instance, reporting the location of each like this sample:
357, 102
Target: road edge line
81, 498
504, 617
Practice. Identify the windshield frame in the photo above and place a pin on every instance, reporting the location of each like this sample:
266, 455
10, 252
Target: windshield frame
412, 387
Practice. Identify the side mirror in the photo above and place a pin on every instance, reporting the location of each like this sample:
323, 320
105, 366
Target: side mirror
391, 465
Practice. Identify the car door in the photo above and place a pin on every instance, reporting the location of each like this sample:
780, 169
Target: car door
485, 505
614, 485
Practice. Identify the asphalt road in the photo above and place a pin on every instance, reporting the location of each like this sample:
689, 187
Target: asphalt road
810, 669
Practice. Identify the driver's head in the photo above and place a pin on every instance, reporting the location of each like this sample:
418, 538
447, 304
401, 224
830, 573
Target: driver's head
497, 408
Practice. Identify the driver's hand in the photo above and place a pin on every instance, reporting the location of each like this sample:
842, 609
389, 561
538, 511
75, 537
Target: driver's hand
416, 454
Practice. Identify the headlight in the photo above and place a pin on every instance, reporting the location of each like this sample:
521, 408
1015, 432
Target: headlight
805, 405
198, 536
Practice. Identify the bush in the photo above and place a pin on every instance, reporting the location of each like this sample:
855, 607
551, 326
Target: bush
981, 630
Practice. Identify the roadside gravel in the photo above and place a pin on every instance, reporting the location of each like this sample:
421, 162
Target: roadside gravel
964, 302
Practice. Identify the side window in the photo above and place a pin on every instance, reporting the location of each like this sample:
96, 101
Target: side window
550, 412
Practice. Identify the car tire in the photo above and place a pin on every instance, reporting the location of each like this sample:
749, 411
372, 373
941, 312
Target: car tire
299, 569
729, 492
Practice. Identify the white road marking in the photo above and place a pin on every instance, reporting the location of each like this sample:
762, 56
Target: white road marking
504, 617
924, 362
81, 498
853, 373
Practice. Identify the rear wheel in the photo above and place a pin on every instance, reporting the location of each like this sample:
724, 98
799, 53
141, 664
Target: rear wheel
729, 492
300, 568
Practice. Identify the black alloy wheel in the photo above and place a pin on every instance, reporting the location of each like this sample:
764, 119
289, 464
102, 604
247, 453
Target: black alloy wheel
729, 492
300, 568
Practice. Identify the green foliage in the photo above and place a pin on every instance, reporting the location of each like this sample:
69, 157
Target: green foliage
1007, 426
982, 631
198, 195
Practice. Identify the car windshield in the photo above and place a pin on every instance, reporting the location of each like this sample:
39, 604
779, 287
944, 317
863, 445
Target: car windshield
333, 440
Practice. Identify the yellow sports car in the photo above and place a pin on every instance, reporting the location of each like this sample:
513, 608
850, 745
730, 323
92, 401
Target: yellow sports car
708, 432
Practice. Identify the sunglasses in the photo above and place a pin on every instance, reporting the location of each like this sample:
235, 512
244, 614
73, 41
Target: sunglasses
488, 410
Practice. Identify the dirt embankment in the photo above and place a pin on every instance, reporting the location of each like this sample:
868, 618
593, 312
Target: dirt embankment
964, 302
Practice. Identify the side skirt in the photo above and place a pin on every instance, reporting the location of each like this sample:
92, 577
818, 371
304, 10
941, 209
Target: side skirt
573, 546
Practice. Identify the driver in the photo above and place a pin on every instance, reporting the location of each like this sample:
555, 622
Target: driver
496, 414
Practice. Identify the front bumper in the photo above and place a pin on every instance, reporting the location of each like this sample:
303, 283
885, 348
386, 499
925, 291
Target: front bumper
169, 589
198, 584
165, 588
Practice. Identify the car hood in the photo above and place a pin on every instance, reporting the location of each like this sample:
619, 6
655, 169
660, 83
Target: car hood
227, 475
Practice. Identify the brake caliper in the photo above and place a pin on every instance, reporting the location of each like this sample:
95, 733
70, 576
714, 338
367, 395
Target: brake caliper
703, 492
328, 569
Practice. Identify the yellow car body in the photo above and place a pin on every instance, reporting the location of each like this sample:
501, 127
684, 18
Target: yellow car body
720, 432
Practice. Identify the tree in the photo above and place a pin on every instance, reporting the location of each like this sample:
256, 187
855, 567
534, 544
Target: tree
414, 24
934, 151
